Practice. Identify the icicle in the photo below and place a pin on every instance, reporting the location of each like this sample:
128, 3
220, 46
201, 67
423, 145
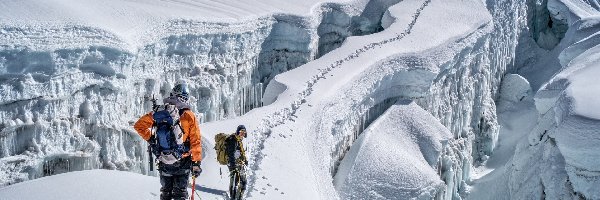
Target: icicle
261, 94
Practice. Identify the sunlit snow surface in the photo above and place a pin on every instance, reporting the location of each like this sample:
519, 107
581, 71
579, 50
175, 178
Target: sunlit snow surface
139, 22
75, 75
89, 184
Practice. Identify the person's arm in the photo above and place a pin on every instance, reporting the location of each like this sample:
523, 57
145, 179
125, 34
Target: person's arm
190, 127
143, 125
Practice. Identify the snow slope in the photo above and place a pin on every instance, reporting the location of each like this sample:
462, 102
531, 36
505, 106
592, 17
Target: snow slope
137, 23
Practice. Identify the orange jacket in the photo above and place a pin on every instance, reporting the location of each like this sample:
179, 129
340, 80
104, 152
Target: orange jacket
189, 124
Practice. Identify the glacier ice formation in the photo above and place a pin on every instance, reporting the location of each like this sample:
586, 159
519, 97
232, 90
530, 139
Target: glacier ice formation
74, 97
69, 99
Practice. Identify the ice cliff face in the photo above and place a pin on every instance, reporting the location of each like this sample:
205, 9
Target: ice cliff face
75, 96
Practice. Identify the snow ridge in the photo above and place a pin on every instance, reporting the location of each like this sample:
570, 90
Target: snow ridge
288, 113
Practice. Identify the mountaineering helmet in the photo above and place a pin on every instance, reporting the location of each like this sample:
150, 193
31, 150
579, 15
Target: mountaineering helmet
239, 128
180, 91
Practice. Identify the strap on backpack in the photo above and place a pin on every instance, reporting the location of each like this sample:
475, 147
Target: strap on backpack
187, 140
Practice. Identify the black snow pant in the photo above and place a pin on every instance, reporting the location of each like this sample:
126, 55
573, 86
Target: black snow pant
174, 179
234, 177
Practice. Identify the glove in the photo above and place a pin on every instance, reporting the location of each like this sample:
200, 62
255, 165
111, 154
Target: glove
196, 170
246, 162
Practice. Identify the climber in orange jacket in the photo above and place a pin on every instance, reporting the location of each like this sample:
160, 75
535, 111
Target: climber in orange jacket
173, 132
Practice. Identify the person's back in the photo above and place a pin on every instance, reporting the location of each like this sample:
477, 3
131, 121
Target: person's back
174, 164
237, 162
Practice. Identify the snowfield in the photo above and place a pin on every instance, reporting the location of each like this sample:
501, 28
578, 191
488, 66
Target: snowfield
352, 99
88, 184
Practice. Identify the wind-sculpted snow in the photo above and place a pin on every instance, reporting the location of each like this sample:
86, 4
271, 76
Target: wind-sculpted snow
396, 157
405, 154
84, 84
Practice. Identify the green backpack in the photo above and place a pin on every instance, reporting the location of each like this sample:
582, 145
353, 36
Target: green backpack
220, 147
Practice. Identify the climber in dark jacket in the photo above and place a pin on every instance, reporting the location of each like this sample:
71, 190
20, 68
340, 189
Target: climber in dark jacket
237, 159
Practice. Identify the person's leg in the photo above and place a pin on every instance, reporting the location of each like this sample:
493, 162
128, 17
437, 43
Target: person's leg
180, 183
233, 177
167, 187
243, 182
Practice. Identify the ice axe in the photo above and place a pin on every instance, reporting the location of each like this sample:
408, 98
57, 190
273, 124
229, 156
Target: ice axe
193, 186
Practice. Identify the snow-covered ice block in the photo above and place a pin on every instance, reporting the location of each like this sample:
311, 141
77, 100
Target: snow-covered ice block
514, 88
396, 157
578, 120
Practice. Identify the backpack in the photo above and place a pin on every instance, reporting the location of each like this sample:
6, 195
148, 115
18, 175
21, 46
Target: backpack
220, 147
168, 146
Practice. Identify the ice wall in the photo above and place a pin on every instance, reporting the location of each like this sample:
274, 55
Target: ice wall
463, 94
81, 90
96, 92
338, 23
547, 23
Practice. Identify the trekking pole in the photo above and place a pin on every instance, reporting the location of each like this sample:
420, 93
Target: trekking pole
193, 187
150, 162
151, 140
198, 196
